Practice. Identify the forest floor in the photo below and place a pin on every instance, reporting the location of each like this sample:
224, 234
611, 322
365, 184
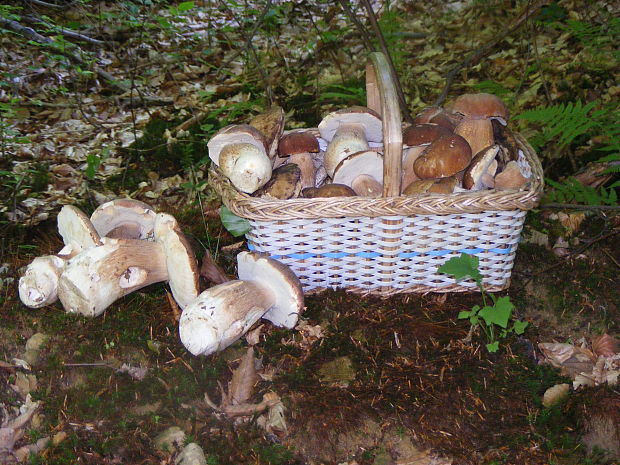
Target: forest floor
361, 380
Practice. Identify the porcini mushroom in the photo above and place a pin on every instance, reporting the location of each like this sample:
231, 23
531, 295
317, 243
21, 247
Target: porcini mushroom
271, 125
328, 190
476, 112
415, 139
474, 176
302, 149
124, 219
98, 276
510, 178
246, 165
222, 314
348, 131
179, 259
363, 172
285, 183
445, 157
39, 284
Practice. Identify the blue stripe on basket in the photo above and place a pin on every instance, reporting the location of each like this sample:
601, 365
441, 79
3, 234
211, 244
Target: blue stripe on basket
433, 253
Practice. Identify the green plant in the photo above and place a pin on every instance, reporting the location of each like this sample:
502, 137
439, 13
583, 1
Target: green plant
493, 317
234, 225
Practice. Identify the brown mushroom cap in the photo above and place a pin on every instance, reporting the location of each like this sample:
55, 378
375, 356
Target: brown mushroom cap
510, 178
423, 134
477, 132
285, 183
368, 119
328, 190
271, 125
480, 106
297, 142
445, 157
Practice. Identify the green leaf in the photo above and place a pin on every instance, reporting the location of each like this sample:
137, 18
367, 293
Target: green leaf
92, 164
462, 267
519, 326
185, 6
463, 315
234, 225
499, 314
493, 347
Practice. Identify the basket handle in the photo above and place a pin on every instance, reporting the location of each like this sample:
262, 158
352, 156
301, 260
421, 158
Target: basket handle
382, 97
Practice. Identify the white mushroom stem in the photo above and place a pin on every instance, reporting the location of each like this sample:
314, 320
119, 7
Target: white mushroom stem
98, 276
349, 139
246, 165
38, 285
222, 314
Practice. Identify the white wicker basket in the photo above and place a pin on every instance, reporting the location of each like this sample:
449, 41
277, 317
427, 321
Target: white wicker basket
392, 244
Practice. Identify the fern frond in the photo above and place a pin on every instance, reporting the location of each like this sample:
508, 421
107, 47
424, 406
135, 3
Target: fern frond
565, 122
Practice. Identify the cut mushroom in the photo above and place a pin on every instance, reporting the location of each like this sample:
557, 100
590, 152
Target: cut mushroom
179, 259
476, 174
510, 178
368, 163
224, 313
39, 284
443, 158
348, 131
124, 219
328, 190
271, 125
98, 276
246, 165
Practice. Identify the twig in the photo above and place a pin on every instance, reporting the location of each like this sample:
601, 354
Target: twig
33, 35
66, 32
571, 206
360, 27
478, 54
399, 90
48, 5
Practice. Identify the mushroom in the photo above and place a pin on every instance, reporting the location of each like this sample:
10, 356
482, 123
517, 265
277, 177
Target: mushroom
124, 219
284, 184
302, 149
235, 134
435, 115
445, 157
348, 131
39, 284
416, 138
328, 190
246, 165
436, 186
476, 175
510, 178
222, 314
98, 276
475, 112
363, 172
271, 125
179, 259
506, 139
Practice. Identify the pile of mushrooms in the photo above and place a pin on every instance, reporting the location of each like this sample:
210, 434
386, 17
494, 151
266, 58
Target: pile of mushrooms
466, 146
125, 246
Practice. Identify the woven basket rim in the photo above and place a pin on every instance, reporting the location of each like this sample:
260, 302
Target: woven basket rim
261, 209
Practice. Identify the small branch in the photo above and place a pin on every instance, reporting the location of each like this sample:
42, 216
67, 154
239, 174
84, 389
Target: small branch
48, 5
360, 27
66, 32
399, 90
483, 51
571, 206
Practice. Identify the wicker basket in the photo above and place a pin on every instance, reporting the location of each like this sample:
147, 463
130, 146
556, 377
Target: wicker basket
392, 244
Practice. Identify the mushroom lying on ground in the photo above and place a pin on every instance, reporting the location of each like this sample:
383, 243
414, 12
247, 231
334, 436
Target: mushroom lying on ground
241, 153
348, 131
222, 314
476, 112
124, 219
39, 284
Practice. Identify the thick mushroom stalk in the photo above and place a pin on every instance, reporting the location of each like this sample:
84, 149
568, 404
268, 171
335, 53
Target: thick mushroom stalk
349, 131
38, 286
98, 276
224, 313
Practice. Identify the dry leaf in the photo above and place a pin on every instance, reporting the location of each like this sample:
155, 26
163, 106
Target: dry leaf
211, 271
244, 378
604, 345
555, 394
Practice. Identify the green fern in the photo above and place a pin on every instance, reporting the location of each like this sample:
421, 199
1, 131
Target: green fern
565, 122
572, 191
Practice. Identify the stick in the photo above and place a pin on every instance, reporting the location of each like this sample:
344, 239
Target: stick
399, 90
66, 32
483, 51
571, 206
